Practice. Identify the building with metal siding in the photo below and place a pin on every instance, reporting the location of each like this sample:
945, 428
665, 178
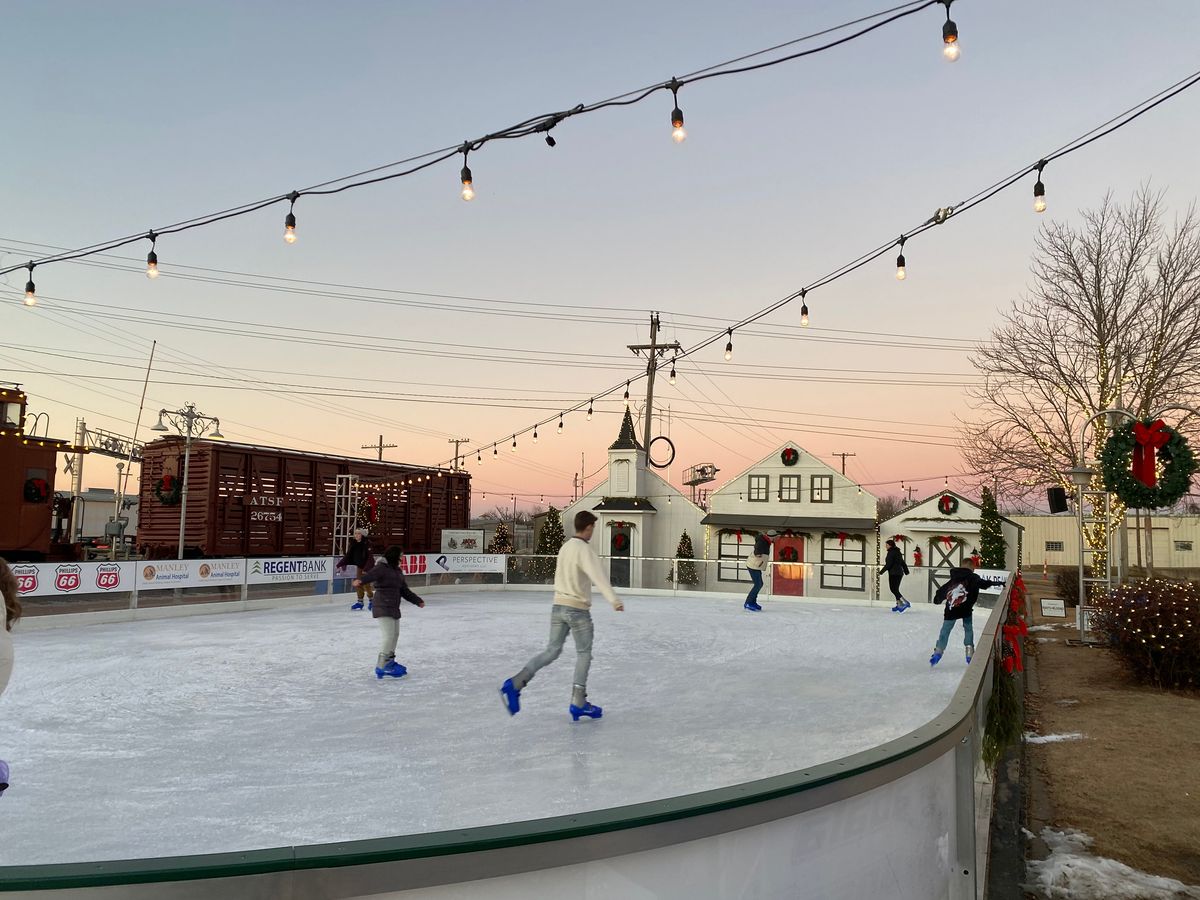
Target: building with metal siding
1053, 541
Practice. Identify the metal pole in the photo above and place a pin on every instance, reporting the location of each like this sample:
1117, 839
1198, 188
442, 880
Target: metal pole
118, 496
187, 460
77, 479
651, 368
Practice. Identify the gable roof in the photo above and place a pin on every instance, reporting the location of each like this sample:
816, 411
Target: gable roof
626, 440
961, 499
776, 453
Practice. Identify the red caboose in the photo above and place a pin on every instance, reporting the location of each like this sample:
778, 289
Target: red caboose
27, 467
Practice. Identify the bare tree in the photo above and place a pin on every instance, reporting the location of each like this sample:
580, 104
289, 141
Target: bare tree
887, 507
1113, 317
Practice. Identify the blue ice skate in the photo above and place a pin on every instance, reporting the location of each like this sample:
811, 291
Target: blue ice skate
393, 669
936, 658
751, 606
511, 697
356, 605
588, 709
901, 606
970, 653
371, 606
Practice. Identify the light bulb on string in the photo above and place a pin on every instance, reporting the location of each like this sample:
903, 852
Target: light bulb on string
495, 452
534, 437
901, 274
626, 394
560, 423
152, 257
672, 378
803, 309
468, 191
1039, 190
589, 414
289, 222
514, 446
950, 48
30, 289
729, 345
678, 133
479, 457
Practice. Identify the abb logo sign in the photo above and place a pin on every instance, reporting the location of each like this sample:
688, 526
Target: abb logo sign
27, 579
414, 564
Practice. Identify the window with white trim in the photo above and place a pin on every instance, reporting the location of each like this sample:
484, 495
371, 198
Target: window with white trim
1054, 546
822, 488
791, 487
760, 489
732, 554
843, 566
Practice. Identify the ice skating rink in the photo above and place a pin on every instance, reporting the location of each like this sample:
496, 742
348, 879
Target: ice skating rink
265, 729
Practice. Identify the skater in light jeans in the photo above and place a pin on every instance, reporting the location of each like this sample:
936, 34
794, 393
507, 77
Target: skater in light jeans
959, 593
11, 607
390, 589
757, 564
577, 570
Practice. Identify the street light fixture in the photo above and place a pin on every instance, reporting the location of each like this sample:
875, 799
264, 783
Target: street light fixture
190, 424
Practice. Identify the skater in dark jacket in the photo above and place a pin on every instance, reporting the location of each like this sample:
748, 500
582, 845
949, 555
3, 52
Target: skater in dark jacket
959, 594
359, 555
757, 564
895, 568
390, 588
10, 609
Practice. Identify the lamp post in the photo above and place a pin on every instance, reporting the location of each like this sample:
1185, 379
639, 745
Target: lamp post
189, 423
1081, 477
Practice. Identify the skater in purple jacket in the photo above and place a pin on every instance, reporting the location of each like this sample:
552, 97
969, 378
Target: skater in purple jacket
390, 587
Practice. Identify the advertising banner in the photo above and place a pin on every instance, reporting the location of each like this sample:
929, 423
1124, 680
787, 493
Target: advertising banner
994, 580
159, 575
64, 579
462, 540
451, 563
290, 569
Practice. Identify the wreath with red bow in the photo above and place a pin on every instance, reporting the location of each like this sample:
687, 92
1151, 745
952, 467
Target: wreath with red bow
1130, 461
37, 490
168, 490
620, 541
789, 555
790, 456
947, 504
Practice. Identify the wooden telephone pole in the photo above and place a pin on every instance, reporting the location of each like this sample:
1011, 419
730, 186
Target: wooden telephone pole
843, 456
654, 351
458, 442
380, 447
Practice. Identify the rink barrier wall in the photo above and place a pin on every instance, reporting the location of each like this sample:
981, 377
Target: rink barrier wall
524, 855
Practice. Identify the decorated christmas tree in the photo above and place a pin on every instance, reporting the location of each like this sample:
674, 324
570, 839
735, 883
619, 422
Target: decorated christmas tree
502, 541
992, 548
686, 570
550, 541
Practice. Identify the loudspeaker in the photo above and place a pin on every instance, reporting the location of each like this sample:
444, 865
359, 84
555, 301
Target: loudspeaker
1057, 498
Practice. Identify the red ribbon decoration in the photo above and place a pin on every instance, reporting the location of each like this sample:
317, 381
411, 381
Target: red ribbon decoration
917, 556
739, 536
1012, 636
842, 538
948, 540
1150, 438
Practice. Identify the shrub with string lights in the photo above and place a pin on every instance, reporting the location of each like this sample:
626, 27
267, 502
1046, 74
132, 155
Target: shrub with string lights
1154, 625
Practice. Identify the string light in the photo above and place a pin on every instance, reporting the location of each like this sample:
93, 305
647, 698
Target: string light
534, 437
560, 423
901, 274
1039, 190
803, 309
950, 48
514, 446
729, 345
289, 222
626, 394
495, 452
31, 290
468, 192
672, 378
479, 457
679, 133
589, 415
152, 257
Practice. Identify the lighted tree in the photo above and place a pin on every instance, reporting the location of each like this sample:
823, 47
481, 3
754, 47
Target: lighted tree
502, 541
992, 547
550, 541
685, 569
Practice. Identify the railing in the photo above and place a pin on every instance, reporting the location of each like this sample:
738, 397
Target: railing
900, 816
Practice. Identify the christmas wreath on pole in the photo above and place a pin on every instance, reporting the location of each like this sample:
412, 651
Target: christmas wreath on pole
947, 504
1130, 460
790, 456
168, 490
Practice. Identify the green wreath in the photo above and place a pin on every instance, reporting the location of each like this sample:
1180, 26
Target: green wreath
947, 504
790, 456
789, 555
168, 490
1117, 462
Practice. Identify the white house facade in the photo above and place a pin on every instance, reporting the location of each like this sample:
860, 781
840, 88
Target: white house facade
822, 525
641, 517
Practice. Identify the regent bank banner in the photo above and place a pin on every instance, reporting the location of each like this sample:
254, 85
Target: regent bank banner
289, 569
64, 579
452, 563
190, 573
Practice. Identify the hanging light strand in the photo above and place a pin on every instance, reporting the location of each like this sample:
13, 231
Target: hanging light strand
1039, 190
152, 256
289, 221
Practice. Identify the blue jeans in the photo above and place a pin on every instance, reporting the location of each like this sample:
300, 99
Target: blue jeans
756, 577
948, 626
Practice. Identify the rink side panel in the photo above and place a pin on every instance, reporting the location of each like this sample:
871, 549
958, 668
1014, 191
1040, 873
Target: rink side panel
897, 820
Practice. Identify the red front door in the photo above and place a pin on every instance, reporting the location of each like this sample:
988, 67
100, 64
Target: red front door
789, 568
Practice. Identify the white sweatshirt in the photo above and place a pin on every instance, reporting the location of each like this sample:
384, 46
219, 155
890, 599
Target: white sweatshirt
6, 648
578, 569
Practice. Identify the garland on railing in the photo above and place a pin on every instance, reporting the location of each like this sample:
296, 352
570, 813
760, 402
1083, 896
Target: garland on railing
1005, 718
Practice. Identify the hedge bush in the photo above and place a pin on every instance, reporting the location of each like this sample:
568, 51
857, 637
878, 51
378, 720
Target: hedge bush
1154, 626
1066, 586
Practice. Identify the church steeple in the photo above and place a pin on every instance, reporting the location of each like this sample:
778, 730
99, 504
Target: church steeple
626, 439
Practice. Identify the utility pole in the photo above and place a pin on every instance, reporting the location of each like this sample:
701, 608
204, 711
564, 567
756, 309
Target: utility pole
379, 447
908, 491
843, 456
458, 442
653, 351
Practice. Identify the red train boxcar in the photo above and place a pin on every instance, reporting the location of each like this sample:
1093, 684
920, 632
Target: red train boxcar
27, 467
246, 500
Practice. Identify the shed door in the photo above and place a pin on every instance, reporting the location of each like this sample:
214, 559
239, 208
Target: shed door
620, 542
942, 558
789, 576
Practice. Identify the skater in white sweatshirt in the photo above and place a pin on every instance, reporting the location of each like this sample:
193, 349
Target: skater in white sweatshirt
578, 569
10, 609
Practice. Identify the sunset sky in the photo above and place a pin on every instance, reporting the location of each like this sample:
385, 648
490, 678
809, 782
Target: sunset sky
409, 313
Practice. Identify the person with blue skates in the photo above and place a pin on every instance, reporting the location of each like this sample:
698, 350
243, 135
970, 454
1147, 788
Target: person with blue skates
10, 602
959, 594
757, 564
895, 568
359, 555
390, 588
578, 569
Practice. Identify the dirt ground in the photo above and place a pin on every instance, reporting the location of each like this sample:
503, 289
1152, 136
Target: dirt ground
1133, 781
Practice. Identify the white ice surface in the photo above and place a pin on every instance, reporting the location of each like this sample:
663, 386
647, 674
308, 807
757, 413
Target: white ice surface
266, 729
1072, 872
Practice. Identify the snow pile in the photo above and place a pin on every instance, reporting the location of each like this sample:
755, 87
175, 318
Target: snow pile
1071, 872
1031, 738
1053, 626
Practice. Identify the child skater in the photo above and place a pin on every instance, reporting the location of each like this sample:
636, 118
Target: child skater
896, 568
959, 594
390, 586
11, 606
359, 555
578, 569
757, 563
